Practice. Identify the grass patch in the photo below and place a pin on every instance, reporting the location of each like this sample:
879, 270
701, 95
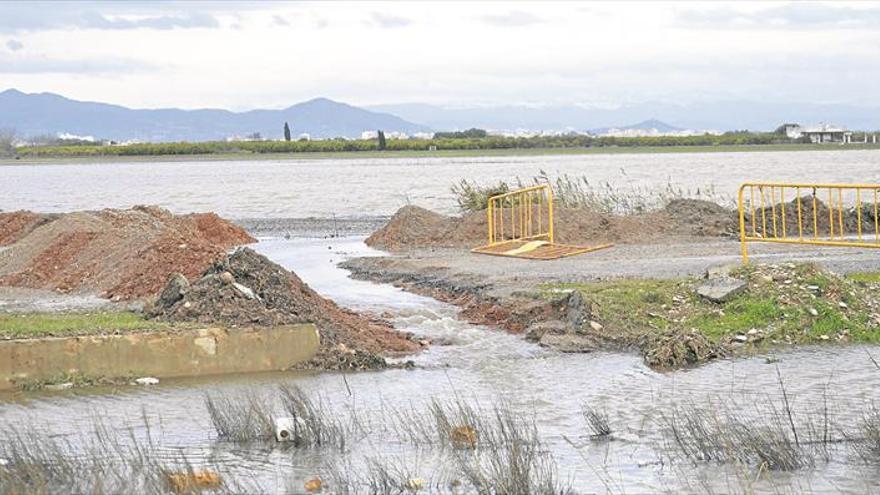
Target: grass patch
865, 277
32, 325
783, 304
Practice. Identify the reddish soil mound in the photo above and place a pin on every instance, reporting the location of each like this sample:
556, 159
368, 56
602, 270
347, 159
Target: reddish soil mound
414, 227
15, 225
246, 289
120, 254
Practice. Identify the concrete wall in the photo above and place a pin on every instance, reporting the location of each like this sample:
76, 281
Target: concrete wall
204, 351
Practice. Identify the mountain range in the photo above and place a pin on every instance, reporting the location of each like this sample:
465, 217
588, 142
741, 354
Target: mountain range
715, 115
48, 113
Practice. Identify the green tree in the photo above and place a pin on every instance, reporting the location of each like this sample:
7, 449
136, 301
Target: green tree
7, 142
381, 135
286, 132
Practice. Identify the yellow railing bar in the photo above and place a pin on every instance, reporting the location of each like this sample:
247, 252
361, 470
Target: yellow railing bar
837, 229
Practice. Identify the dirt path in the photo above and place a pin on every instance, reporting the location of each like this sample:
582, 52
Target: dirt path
663, 261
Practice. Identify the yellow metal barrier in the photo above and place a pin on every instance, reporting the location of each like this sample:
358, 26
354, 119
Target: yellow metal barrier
520, 224
848, 219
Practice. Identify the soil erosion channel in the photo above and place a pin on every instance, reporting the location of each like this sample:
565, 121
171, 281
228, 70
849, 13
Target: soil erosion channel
483, 365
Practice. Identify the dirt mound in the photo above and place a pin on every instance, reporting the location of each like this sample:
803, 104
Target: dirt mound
412, 226
119, 254
246, 289
701, 218
415, 227
15, 225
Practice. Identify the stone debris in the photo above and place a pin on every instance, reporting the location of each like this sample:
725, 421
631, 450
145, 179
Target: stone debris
722, 289
147, 380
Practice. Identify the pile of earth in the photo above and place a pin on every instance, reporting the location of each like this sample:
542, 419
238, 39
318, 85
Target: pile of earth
415, 227
247, 289
118, 254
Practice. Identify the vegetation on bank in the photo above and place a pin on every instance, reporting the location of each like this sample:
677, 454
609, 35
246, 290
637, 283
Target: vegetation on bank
442, 142
34, 325
581, 193
781, 305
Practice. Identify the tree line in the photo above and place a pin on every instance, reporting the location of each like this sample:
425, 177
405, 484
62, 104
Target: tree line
441, 141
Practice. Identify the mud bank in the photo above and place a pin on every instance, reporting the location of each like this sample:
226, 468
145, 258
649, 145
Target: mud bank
667, 321
191, 352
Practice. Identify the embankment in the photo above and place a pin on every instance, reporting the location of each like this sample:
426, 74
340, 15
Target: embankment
413, 227
191, 352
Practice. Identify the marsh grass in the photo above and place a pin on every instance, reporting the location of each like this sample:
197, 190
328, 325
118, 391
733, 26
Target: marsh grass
242, 418
581, 193
98, 460
773, 438
597, 422
314, 424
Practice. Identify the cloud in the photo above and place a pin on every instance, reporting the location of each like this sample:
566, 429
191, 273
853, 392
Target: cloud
45, 65
513, 19
36, 16
14, 45
802, 15
390, 21
280, 21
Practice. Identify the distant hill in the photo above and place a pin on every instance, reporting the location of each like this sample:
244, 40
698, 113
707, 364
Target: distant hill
48, 113
646, 125
712, 115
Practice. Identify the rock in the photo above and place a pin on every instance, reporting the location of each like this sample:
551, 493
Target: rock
814, 288
415, 484
720, 271
313, 485
176, 288
463, 437
4, 462
247, 292
741, 338
227, 278
813, 311
721, 289
578, 312
569, 342
842, 305
536, 331
596, 326
147, 380
59, 386
753, 331
824, 337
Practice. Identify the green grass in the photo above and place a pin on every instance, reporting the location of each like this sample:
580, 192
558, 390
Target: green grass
780, 308
865, 277
49, 156
32, 325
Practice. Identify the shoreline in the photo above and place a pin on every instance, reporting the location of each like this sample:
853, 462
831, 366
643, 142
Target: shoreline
477, 153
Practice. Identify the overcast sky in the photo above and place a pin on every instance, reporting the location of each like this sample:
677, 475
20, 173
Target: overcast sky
273, 54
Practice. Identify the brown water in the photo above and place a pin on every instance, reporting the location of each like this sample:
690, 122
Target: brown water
378, 186
489, 366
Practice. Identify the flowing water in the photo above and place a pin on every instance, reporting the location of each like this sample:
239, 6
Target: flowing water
480, 364
487, 367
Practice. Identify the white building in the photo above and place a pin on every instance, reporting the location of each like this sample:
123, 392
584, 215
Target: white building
822, 133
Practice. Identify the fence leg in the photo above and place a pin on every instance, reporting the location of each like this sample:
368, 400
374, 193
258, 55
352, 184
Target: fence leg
742, 226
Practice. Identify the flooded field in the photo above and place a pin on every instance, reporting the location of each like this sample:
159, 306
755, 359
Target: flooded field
355, 188
487, 367
833, 387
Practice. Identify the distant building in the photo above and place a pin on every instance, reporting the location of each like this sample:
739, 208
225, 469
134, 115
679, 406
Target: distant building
822, 133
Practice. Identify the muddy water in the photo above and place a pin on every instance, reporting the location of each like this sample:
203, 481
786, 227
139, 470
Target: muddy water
486, 366
370, 187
